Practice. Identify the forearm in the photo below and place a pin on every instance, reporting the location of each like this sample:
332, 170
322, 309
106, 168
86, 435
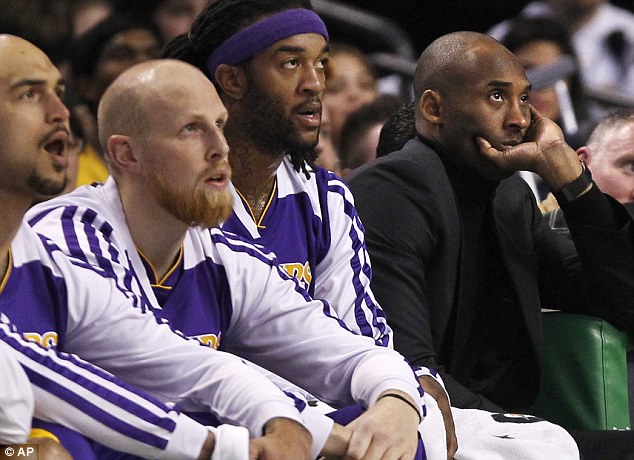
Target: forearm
387, 373
16, 401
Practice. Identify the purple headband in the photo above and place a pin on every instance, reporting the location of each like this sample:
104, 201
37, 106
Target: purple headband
263, 34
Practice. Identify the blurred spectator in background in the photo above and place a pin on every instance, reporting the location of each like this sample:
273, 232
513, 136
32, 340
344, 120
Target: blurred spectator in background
327, 156
99, 56
603, 37
172, 17
542, 44
539, 43
86, 14
350, 83
609, 155
360, 132
45, 23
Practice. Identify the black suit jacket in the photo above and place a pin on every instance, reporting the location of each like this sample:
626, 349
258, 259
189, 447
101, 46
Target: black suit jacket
413, 234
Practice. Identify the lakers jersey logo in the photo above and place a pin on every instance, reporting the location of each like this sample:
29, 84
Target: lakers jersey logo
46, 340
209, 340
301, 272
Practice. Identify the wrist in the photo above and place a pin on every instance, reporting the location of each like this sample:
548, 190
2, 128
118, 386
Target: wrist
403, 398
208, 446
337, 443
575, 188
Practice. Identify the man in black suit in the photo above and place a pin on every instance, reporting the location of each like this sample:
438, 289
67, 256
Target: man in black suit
462, 259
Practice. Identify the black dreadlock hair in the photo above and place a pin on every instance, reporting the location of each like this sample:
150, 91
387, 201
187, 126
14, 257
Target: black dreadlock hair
220, 20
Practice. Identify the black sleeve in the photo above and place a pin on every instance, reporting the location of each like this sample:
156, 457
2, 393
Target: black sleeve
593, 274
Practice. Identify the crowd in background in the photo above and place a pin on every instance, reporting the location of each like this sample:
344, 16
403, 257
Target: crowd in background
579, 58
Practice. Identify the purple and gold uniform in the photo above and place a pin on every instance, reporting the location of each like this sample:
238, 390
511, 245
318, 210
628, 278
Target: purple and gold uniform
58, 305
312, 226
230, 294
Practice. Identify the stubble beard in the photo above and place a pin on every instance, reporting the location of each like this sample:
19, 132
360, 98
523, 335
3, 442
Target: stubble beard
46, 187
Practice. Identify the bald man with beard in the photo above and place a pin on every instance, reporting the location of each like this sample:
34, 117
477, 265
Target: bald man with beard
152, 229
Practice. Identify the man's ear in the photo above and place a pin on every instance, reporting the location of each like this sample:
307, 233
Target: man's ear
584, 154
121, 154
231, 80
430, 106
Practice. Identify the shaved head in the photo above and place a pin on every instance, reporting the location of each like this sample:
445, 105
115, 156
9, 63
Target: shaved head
161, 123
126, 105
34, 123
446, 60
469, 86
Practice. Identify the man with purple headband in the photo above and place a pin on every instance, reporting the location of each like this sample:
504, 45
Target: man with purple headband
146, 231
267, 60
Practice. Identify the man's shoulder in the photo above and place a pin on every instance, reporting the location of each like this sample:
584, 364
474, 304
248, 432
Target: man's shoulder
513, 191
415, 163
27, 246
315, 180
92, 199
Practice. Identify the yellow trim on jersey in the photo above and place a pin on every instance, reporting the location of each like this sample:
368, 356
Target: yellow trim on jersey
173, 268
5, 278
42, 433
266, 208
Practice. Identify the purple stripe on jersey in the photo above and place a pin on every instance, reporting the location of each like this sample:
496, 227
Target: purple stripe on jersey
300, 404
43, 358
35, 219
95, 412
80, 258
69, 231
90, 231
362, 297
248, 248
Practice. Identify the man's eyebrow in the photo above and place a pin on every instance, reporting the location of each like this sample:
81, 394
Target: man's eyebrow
290, 49
499, 83
297, 49
35, 82
506, 84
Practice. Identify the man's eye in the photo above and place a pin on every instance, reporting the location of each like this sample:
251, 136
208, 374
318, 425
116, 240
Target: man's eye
30, 94
496, 95
322, 63
291, 64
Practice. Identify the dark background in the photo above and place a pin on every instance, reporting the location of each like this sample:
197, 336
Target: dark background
425, 20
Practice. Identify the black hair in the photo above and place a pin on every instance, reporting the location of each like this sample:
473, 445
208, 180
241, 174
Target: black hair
220, 20
397, 130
